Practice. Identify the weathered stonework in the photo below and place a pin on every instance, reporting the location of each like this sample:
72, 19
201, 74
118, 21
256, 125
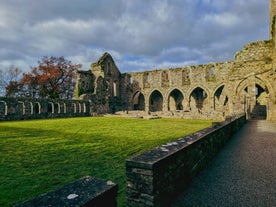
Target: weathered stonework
157, 176
214, 90
85, 192
32, 108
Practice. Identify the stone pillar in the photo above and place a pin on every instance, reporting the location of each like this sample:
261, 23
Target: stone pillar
147, 105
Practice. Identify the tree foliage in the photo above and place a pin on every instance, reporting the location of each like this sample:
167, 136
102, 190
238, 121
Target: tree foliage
53, 78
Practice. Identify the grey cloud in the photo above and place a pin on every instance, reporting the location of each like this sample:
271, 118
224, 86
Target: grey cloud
155, 33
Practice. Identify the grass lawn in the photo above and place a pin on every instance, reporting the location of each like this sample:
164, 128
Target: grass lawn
41, 155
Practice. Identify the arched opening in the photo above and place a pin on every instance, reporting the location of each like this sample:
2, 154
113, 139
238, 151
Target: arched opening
197, 98
57, 108
50, 107
3, 108
175, 100
74, 108
37, 108
156, 101
138, 101
259, 110
20, 109
220, 99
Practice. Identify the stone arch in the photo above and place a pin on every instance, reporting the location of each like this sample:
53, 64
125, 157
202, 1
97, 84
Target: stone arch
50, 107
197, 99
3, 108
220, 98
175, 100
138, 101
28, 108
74, 106
62, 107
57, 108
156, 101
20, 108
257, 80
84, 108
252, 94
36, 108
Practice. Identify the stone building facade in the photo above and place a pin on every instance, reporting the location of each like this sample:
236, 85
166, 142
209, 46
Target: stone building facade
214, 90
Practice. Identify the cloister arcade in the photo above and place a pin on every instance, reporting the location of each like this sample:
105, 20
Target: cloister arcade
24, 108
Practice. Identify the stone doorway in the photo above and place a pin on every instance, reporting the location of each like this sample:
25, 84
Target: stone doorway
156, 101
175, 100
138, 101
259, 110
197, 98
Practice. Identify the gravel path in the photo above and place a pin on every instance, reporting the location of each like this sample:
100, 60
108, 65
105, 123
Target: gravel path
242, 174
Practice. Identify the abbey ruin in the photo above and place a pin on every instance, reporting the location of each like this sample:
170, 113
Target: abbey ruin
247, 84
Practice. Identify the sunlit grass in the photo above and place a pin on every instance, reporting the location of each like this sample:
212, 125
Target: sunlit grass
41, 155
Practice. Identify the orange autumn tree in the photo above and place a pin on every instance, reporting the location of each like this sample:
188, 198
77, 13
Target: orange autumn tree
53, 78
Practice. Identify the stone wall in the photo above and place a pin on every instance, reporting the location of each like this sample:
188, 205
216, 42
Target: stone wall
155, 177
86, 192
29, 108
213, 90
245, 84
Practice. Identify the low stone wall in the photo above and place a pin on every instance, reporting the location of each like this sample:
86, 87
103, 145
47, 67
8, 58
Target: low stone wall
31, 108
86, 192
155, 177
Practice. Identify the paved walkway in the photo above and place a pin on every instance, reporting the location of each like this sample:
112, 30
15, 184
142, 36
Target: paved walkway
242, 174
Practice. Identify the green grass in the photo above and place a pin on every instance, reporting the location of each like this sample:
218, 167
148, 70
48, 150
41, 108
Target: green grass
41, 155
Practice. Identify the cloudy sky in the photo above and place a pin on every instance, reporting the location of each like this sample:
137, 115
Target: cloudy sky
139, 34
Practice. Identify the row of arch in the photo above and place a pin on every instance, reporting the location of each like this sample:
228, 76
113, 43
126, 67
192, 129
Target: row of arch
35, 108
198, 99
175, 100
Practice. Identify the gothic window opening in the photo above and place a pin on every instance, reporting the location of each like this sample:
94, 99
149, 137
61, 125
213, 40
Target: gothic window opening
21, 108
50, 107
138, 101
156, 101
175, 100
37, 108
197, 99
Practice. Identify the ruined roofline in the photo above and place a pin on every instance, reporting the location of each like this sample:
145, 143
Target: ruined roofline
210, 64
102, 59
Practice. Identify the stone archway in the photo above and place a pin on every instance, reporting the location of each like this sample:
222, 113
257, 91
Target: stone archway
155, 101
220, 99
175, 100
3, 108
37, 108
138, 101
197, 99
259, 111
253, 94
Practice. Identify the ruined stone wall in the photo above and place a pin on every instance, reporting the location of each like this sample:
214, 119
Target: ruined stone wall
85, 83
213, 90
87, 191
182, 81
157, 176
29, 108
255, 51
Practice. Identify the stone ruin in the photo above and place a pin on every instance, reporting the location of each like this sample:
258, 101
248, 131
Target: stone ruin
247, 84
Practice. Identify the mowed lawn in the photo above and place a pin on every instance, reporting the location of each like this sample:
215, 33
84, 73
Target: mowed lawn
41, 155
